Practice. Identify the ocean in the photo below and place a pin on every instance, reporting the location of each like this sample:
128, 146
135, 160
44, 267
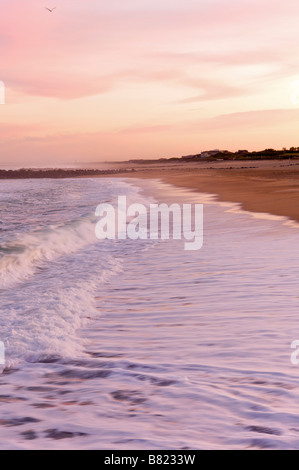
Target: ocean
123, 344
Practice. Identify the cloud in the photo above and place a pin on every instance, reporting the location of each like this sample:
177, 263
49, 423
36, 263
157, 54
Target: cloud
84, 48
212, 90
254, 119
17, 131
143, 63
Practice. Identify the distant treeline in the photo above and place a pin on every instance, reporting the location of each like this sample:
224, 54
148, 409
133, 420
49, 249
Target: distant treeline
267, 154
55, 173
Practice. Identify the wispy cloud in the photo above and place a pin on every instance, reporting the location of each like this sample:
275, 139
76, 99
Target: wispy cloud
252, 119
132, 65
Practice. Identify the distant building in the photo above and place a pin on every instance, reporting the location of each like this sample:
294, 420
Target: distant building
210, 153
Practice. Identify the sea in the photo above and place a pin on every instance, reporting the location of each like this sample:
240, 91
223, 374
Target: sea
140, 344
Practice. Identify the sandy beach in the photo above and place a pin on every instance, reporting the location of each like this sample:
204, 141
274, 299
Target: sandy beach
266, 186
260, 186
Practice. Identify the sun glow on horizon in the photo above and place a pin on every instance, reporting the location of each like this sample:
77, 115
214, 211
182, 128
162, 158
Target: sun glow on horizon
95, 81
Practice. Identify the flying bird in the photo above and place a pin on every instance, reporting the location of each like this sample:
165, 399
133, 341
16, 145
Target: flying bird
50, 9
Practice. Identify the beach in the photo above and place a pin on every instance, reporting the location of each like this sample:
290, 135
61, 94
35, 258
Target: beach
149, 219
265, 186
259, 186
123, 344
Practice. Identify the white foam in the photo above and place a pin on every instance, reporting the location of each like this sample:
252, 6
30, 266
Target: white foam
47, 324
198, 339
31, 250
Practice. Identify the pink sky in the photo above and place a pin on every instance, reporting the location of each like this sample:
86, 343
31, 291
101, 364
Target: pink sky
115, 80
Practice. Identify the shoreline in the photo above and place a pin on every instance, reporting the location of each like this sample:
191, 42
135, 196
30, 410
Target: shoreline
273, 190
258, 186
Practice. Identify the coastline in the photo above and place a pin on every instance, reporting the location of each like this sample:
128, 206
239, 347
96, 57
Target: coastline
134, 331
265, 186
257, 187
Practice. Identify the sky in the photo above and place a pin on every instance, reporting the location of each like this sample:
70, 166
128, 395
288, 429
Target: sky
123, 79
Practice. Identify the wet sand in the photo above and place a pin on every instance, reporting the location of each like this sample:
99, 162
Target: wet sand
270, 186
260, 186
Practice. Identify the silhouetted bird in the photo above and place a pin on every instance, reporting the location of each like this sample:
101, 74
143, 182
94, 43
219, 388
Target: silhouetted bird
50, 9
